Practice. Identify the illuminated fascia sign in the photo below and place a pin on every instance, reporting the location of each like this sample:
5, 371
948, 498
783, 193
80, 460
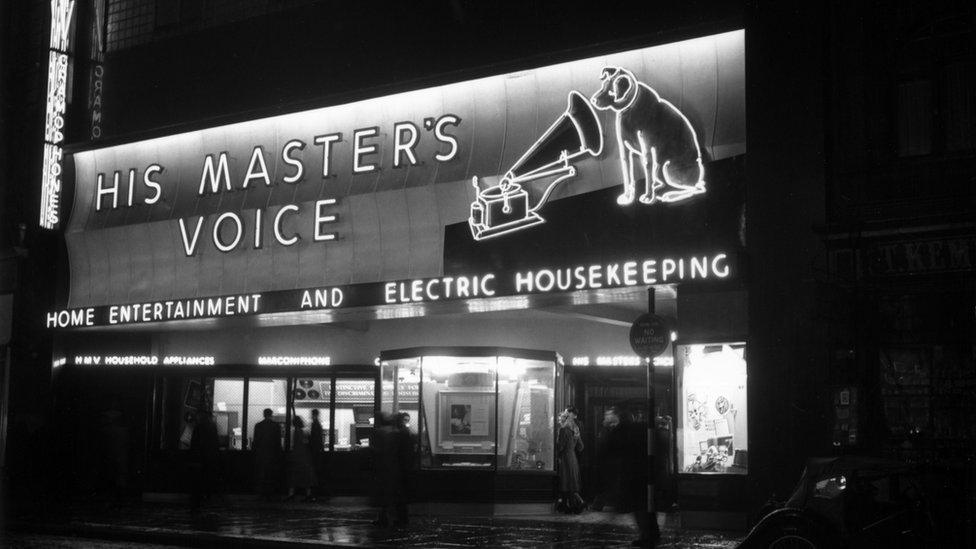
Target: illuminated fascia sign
389, 298
156, 311
619, 360
289, 181
235, 230
57, 86
294, 361
142, 360
655, 141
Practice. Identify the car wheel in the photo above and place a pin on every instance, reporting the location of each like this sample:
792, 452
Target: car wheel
792, 541
795, 534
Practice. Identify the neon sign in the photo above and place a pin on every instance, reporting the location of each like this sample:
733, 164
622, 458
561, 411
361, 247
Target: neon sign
57, 84
433, 289
504, 208
156, 311
620, 360
142, 360
628, 273
294, 360
385, 184
233, 230
652, 136
483, 292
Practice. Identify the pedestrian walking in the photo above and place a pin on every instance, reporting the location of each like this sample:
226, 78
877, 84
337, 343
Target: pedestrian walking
406, 460
115, 441
204, 457
316, 446
266, 446
301, 473
624, 456
568, 445
386, 458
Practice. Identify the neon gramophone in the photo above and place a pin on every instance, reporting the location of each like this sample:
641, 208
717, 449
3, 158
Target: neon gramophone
504, 208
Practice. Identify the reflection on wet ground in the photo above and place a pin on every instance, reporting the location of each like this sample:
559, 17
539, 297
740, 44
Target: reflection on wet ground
350, 526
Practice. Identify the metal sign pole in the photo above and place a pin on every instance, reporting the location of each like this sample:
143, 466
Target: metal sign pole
649, 337
649, 417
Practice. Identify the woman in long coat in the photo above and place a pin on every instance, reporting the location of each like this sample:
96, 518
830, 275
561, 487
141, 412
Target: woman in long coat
301, 471
568, 443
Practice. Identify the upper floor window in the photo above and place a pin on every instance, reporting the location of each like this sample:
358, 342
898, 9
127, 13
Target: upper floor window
915, 117
935, 93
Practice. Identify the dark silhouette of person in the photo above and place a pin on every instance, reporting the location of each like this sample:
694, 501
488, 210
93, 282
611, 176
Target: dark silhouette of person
115, 437
624, 456
316, 446
385, 446
267, 452
406, 460
316, 442
568, 444
205, 457
301, 473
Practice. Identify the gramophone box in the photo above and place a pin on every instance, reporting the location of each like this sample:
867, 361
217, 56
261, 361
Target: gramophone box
502, 206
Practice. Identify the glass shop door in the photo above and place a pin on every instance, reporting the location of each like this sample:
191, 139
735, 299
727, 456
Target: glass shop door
353, 419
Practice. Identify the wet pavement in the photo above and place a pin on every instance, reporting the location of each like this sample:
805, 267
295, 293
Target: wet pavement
251, 524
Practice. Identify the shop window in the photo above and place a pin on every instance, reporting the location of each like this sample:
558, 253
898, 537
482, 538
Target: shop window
526, 398
401, 390
712, 409
312, 394
354, 409
458, 426
180, 400
228, 412
482, 411
262, 394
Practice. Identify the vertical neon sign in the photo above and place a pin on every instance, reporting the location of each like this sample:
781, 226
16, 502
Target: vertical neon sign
57, 85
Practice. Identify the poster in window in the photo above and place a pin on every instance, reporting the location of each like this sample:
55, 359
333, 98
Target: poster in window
194, 394
465, 415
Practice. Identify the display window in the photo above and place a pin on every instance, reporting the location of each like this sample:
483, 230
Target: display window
238, 404
712, 432
267, 393
355, 400
401, 390
180, 398
311, 394
458, 411
481, 412
526, 400
228, 412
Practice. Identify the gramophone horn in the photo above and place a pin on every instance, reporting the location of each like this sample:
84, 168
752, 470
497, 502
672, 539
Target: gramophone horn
505, 207
576, 133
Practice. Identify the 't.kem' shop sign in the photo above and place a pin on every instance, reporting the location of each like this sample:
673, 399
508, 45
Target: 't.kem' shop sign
364, 192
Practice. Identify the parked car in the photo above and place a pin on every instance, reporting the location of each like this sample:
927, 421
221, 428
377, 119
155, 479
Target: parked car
847, 502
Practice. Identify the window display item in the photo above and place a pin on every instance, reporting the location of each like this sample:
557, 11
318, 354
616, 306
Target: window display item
478, 407
712, 430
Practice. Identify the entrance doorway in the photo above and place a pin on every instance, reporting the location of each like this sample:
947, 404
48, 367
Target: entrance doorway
596, 390
599, 395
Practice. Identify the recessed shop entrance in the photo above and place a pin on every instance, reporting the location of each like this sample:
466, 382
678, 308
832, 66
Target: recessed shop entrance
595, 390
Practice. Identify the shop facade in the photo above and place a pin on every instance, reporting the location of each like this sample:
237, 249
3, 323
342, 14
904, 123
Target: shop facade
471, 253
